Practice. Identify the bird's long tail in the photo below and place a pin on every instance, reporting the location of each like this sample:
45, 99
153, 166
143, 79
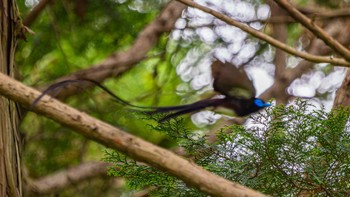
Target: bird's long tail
177, 110
184, 109
60, 85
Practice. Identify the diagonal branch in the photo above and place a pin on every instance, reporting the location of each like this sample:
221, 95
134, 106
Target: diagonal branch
124, 142
30, 18
337, 29
120, 62
319, 32
266, 38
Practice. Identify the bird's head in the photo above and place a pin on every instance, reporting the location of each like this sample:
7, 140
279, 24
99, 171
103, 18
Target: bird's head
260, 103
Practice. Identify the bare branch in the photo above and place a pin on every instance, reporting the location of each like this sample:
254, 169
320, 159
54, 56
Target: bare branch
315, 29
30, 18
337, 29
124, 142
268, 39
68, 177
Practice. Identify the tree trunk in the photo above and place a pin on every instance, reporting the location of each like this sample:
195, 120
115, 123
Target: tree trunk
10, 157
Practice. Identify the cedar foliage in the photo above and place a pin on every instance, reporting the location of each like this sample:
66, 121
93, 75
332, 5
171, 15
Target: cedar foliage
284, 150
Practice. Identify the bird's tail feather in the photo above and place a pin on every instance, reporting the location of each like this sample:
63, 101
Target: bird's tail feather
183, 109
177, 110
60, 85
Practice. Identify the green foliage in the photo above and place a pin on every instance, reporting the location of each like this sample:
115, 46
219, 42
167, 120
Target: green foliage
65, 42
283, 151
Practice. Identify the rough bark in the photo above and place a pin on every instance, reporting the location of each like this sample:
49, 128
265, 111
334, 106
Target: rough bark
10, 154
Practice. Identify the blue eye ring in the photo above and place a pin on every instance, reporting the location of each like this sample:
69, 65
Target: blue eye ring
261, 103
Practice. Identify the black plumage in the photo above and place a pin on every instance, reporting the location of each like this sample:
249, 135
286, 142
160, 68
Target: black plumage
234, 84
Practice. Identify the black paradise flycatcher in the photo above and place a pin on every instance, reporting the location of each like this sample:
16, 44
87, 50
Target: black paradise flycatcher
234, 84
231, 82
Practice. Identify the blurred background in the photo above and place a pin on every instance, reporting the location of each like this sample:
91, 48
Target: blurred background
158, 53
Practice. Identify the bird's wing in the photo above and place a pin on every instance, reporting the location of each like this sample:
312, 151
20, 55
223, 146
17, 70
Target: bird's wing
231, 82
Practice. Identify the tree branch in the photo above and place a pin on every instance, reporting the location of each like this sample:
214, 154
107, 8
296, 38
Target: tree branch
337, 29
30, 18
315, 29
68, 177
126, 143
266, 38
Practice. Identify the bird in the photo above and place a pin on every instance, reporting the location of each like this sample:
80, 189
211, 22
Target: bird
233, 84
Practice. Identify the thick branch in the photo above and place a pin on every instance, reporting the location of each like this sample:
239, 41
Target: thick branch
268, 39
315, 29
124, 142
65, 178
